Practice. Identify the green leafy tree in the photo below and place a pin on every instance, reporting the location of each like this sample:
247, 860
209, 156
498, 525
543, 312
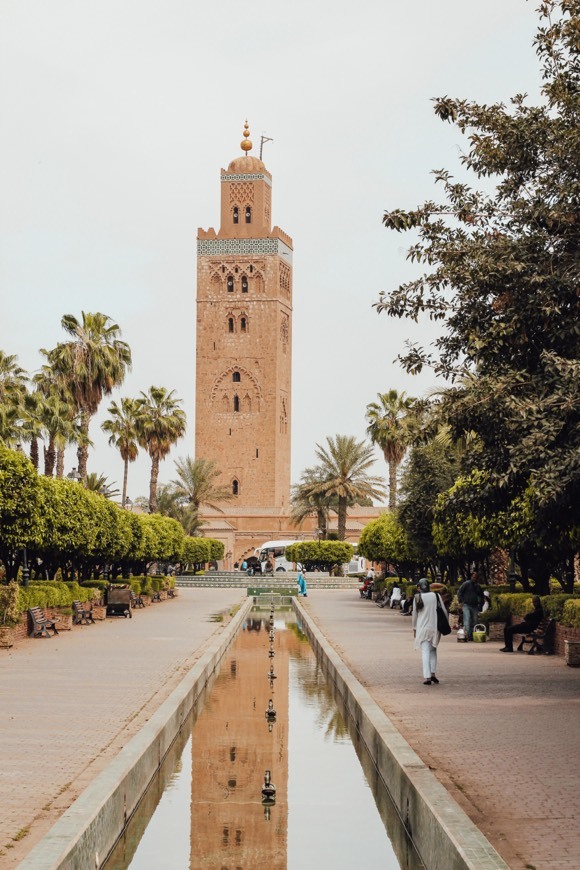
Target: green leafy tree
503, 282
21, 518
160, 424
196, 552
122, 430
389, 429
345, 463
320, 555
385, 540
88, 367
432, 468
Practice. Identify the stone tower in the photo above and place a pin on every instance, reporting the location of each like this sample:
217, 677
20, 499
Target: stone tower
244, 340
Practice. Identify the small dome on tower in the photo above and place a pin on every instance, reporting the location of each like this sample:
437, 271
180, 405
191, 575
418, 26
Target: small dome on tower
248, 164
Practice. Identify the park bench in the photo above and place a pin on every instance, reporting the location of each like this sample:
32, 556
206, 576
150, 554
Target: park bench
541, 639
82, 613
42, 623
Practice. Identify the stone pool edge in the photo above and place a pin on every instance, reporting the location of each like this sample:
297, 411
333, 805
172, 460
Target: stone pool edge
442, 832
87, 831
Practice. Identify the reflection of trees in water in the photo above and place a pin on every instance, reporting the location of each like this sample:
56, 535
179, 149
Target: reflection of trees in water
314, 689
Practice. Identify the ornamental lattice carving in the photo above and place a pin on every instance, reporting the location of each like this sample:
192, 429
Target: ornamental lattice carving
285, 278
241, 193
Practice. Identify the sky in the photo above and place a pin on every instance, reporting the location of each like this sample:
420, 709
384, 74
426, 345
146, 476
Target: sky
117, 118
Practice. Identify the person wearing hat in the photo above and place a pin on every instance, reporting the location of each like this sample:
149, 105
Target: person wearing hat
425, 631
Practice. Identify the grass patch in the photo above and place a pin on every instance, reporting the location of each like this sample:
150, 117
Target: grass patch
217, 617
21, 834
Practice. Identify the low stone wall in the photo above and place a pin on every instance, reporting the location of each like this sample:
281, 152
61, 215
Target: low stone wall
564, 633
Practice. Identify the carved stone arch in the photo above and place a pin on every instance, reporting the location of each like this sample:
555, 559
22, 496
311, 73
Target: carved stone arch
247, 404
258, 282
226, 377
216, 281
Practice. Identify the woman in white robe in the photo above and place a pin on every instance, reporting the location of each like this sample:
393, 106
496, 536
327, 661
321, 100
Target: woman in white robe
425, 631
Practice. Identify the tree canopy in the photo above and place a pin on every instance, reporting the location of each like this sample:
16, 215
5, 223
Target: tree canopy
503, 281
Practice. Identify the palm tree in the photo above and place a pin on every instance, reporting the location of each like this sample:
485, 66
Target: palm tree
388, 429
169, 505
197, 485
122, 429
305, 502
56, 414
89, 366
12, 393
160, 424
99, 483
345, 463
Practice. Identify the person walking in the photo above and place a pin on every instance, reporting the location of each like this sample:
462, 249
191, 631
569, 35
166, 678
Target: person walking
425, 630
531, 622
301, 584
470, 596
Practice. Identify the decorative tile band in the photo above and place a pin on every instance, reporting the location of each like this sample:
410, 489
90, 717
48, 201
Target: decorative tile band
251, 176
223, 247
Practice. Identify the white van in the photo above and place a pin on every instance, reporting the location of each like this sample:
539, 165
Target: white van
274, 550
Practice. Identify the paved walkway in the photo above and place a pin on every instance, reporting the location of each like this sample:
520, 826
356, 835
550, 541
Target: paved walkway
68, 704
502, 732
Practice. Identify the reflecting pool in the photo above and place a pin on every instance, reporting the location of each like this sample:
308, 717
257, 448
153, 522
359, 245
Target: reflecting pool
206, 808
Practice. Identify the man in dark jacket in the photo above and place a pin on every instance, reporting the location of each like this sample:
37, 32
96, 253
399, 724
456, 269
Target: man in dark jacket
531, 622
470, 596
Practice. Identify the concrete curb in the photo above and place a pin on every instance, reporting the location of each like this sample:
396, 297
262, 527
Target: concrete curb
85, 834
443, 834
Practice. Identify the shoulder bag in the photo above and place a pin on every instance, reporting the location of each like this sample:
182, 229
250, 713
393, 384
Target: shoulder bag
443, 626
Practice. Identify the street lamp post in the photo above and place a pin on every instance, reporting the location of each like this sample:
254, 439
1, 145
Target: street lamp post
25, 569
74, 475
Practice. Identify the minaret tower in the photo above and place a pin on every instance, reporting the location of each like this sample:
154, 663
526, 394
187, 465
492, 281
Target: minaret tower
244, 340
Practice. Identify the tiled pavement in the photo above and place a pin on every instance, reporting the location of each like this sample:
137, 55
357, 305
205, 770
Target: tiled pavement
502, 732
68, 704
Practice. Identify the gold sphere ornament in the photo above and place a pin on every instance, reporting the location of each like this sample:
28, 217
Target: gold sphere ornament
246, 144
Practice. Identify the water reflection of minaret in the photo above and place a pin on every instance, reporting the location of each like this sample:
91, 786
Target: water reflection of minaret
231, 749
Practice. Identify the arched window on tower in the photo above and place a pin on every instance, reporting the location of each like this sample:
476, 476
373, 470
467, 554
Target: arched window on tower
235, 487
230, 283
248, 215
236, 403
230, 324
236, 214
243, 324
236, 377
244, 284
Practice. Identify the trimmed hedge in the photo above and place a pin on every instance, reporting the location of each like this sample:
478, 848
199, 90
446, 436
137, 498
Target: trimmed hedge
54, 593
565, 609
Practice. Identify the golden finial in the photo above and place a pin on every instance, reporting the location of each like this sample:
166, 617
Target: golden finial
246, 144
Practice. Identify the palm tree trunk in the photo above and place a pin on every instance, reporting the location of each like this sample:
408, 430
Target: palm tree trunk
125, 476
60, 463
322, 525
49, 458
341, 517
83, 448
153, 484
392, 486
34, 452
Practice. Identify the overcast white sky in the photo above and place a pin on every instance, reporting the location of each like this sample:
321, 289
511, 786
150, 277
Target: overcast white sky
117, 117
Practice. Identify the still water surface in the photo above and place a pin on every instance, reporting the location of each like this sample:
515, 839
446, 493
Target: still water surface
205, 808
